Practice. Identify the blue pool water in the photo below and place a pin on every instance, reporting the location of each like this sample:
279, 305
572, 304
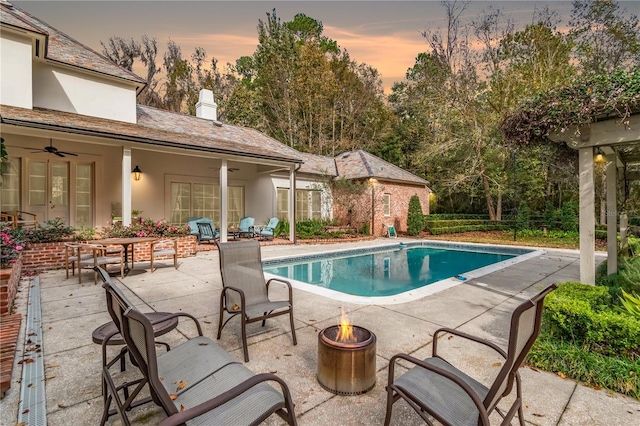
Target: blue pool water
386, 273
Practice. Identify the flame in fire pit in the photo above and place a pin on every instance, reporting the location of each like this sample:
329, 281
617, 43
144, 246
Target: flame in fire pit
345, 330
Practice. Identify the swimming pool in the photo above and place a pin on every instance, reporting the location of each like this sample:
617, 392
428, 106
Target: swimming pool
390, 273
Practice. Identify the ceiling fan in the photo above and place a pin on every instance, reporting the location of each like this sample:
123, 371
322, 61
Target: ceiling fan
53, 150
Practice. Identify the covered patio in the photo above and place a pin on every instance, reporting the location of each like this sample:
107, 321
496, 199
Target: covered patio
70, 312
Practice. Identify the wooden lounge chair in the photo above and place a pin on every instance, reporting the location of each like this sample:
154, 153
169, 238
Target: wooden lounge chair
435, 387
244, 290
196, 382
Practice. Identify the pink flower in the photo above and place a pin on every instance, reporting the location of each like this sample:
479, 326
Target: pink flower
18, 248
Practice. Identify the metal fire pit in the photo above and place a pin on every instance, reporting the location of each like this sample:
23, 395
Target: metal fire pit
347, 368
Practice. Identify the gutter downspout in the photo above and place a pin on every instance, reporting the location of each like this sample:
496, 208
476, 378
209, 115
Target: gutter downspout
292, 224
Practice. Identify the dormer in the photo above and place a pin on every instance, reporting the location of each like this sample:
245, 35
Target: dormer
44, 68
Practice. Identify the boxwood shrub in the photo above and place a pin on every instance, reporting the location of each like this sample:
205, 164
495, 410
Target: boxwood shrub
580, 314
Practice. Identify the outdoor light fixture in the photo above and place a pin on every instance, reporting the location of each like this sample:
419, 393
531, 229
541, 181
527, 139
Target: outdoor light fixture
136, 173
599, 158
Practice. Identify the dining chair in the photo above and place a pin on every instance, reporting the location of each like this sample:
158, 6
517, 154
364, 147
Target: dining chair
102, 255
72, 255
165, 248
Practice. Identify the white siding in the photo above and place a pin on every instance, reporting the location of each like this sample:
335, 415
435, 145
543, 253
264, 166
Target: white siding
63, 89
15, 68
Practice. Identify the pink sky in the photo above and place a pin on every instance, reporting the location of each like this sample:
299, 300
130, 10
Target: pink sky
383, 34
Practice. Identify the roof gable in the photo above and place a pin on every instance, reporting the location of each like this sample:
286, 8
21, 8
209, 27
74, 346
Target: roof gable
363, 165
62, 48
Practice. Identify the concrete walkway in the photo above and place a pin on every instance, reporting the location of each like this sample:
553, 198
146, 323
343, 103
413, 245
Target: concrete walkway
70, 312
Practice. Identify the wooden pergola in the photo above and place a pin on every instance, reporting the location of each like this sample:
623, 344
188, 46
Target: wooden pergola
619, 141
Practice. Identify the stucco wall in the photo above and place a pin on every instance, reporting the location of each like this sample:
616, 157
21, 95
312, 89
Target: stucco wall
63, 89
16, 70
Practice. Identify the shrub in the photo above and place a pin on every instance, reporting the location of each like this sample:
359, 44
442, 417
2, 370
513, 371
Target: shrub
569, 217
282, 228
147, 228
11, 245
581, 314
415, 218
309, 228
631, 303
523, 220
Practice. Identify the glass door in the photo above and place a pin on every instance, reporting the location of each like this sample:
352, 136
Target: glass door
48, 190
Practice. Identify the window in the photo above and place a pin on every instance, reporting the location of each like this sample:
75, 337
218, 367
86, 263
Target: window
308, 204
84, 197
387, 204
11, 186
282, 204
189, 199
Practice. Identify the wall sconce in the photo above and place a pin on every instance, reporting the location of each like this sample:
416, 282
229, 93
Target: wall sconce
136, 173
599, 157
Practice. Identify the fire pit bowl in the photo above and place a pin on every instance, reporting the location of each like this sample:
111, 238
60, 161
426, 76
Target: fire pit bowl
347, 368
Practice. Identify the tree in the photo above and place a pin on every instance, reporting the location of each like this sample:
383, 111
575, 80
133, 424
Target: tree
606, 36
415, 217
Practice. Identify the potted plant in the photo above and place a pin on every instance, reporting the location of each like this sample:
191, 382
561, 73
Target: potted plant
135, 216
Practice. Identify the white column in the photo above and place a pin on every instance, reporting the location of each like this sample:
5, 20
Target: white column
612, 215
292, 204
223, 201
587, 217
126, 186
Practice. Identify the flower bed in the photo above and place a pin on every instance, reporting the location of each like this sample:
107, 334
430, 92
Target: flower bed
9, 280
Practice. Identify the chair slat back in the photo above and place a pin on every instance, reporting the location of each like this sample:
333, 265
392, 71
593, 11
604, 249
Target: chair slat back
206, 231
241, 267
525, 327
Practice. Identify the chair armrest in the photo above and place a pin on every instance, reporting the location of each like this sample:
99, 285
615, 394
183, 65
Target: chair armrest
444, 373
177, 315
193, 412
491, 345
237, 290
287, 283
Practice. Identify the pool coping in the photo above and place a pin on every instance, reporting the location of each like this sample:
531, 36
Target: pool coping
522, 254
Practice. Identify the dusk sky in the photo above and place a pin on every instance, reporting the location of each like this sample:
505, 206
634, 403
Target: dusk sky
384, 34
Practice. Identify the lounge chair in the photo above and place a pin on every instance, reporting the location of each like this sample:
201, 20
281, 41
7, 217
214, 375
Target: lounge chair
197, 380
435, 387
269, 231
244, 290
207, 232
246, 227
164, 248
193, 225
391, 231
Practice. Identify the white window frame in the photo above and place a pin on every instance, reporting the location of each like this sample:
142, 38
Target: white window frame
386, 203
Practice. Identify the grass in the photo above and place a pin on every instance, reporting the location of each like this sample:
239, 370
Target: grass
597, 370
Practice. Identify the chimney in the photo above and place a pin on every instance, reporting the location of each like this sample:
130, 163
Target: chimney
206, 107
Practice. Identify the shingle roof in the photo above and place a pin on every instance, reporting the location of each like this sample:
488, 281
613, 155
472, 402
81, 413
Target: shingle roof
318, 165
360, 164
62, 48
157, 127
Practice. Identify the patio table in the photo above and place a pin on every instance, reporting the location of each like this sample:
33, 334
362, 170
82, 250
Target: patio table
126, 242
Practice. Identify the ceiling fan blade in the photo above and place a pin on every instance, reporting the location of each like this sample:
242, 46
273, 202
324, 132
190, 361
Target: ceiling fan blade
58, 153
68, 153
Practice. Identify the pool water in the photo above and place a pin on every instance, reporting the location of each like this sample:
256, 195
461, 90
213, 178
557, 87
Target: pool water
386, 273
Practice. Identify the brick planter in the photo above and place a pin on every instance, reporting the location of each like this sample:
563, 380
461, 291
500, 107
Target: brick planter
9, 280
45, 256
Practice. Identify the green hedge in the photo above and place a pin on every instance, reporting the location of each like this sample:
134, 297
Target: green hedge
467, 228
580, 314
455, 216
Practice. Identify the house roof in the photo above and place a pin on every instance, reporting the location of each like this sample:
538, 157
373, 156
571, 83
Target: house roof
318, 165
362, 165
62, 48
158, 127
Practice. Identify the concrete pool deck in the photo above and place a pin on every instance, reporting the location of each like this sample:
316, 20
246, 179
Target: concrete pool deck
481, 306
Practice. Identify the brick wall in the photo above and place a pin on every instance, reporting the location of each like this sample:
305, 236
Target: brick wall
44, 256
9, 280
400, 195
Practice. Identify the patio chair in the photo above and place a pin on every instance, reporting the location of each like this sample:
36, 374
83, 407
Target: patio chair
435, 387
195, 380
207, 232
164, 248
246, 227
244, 290
269, 230
72, 255
102, 255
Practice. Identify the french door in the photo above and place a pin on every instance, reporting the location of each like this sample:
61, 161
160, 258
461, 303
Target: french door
60, 189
